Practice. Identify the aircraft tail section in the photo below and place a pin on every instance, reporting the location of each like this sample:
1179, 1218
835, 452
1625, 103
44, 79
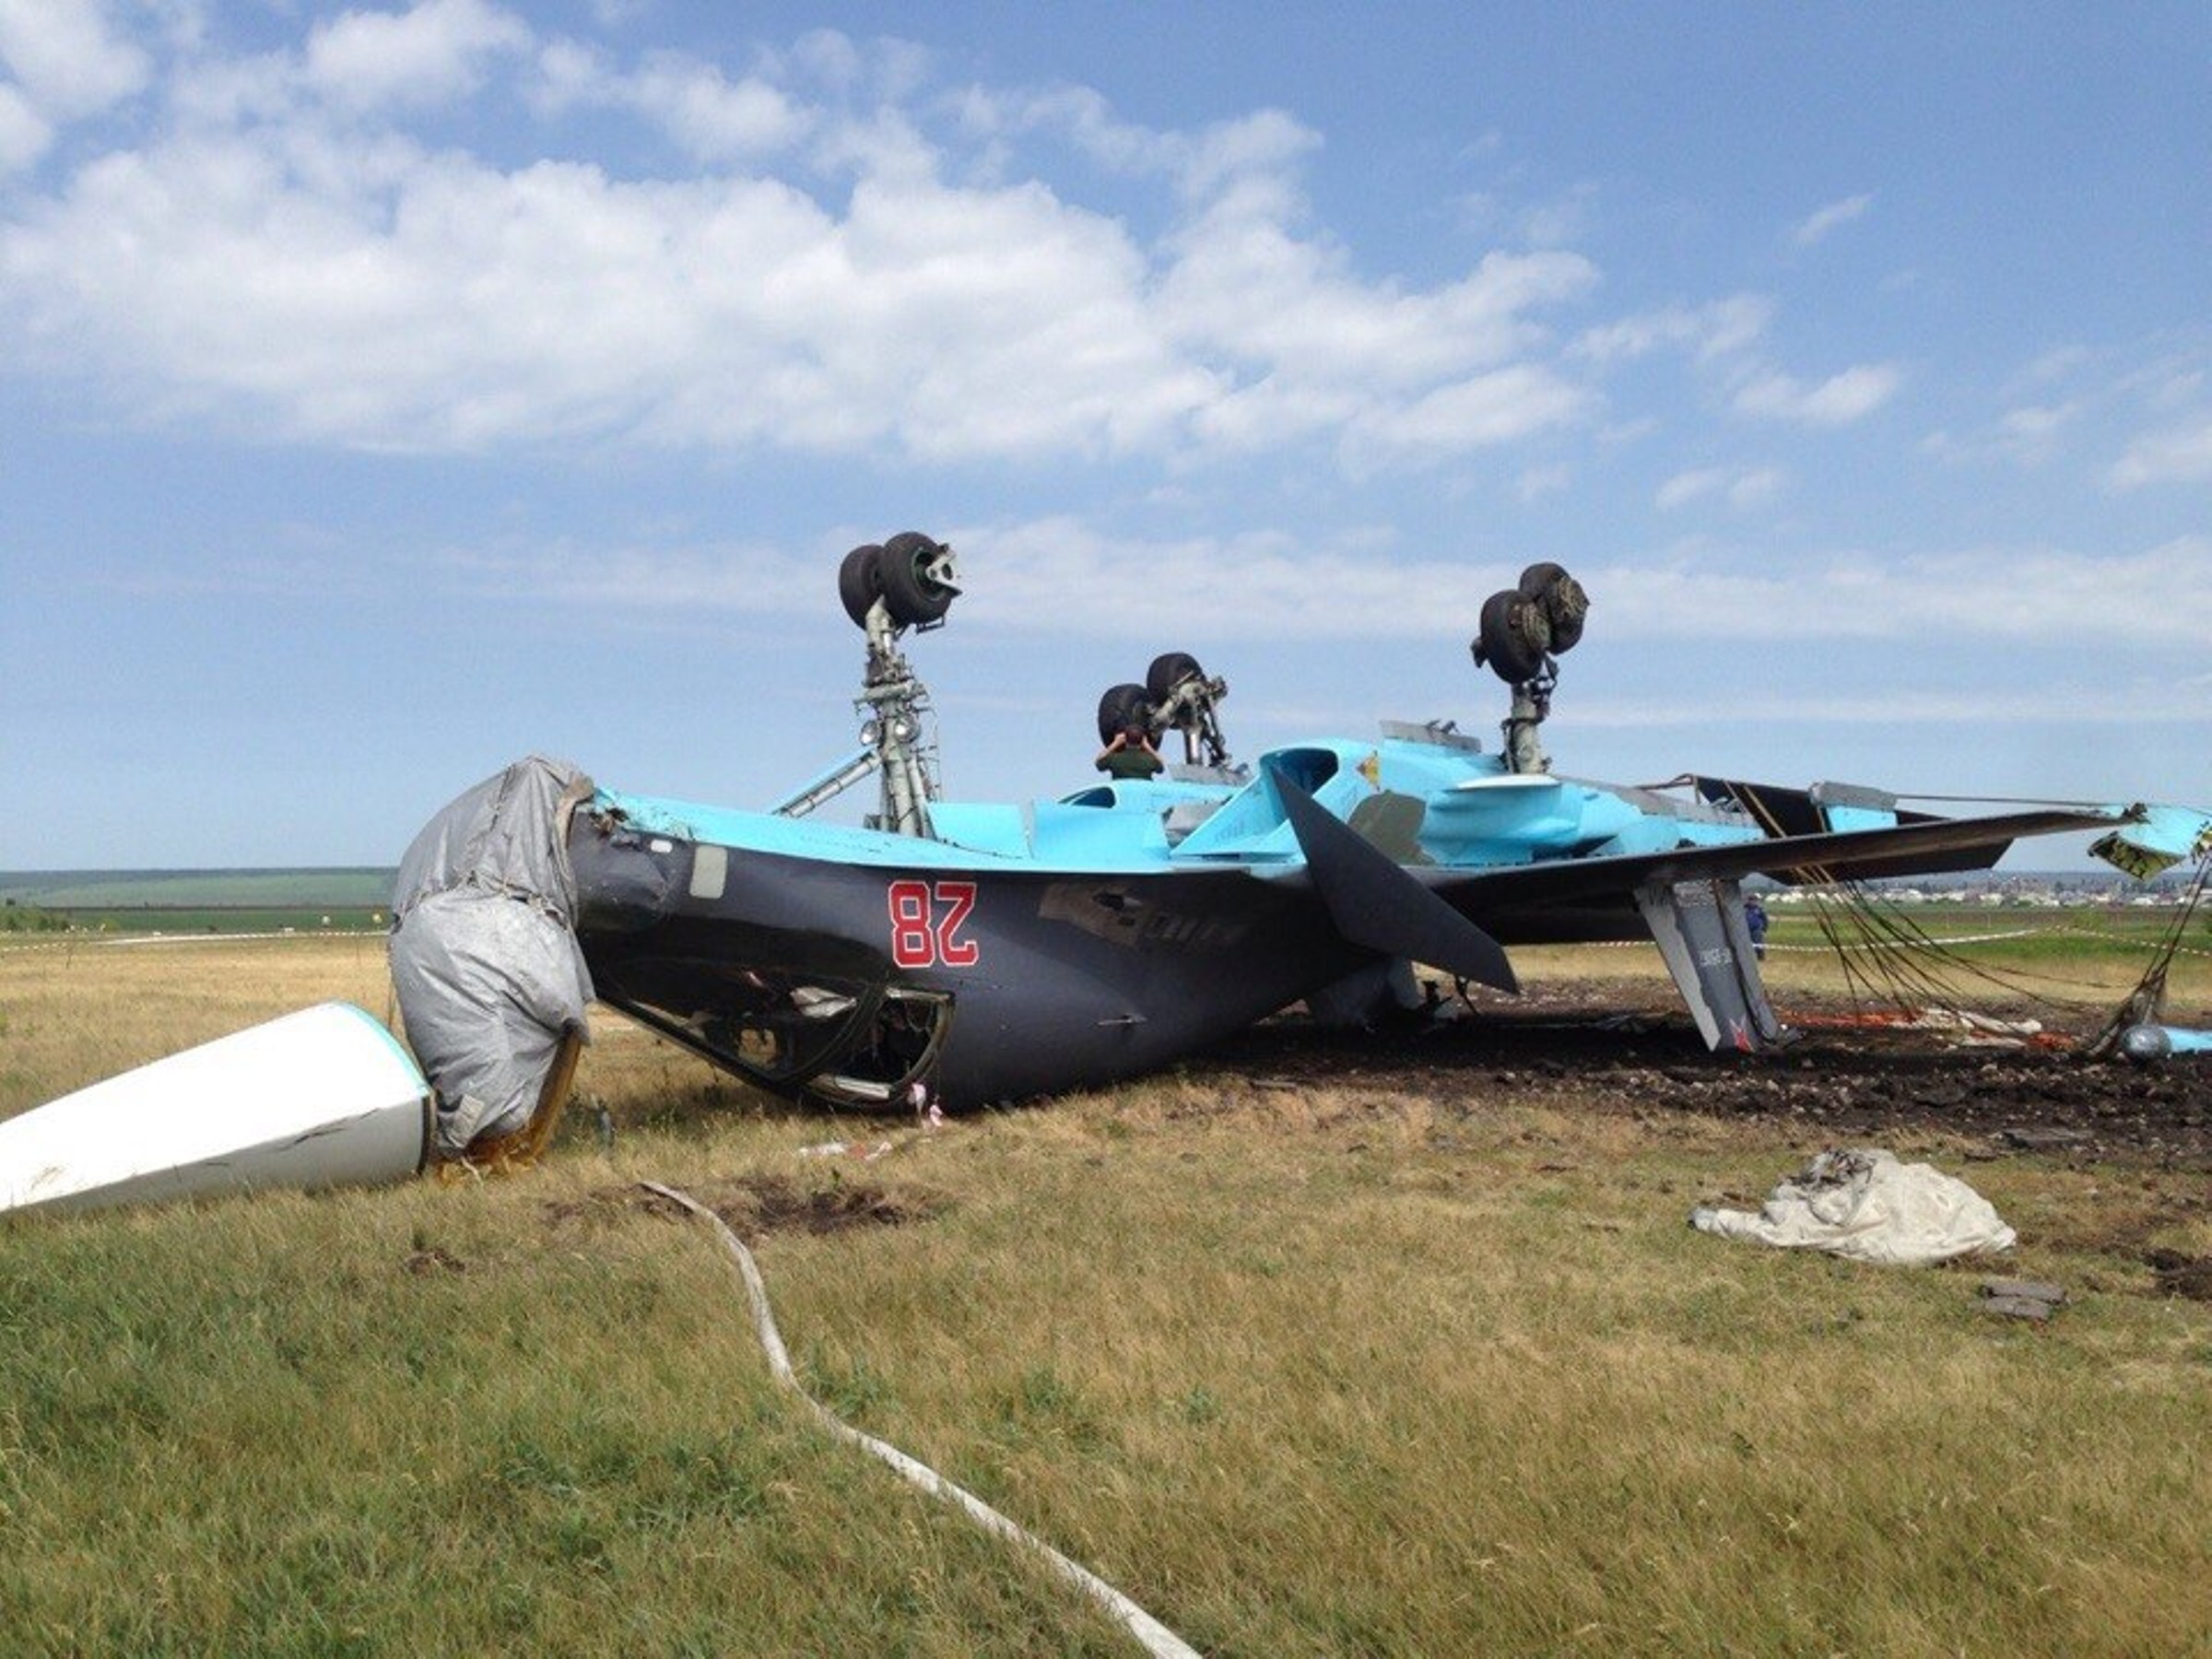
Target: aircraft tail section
1700, 929
1376, 904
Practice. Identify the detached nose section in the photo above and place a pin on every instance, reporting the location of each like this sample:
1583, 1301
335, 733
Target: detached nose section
322, 1097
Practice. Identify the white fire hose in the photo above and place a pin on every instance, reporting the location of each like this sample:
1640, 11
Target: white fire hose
1153, 1636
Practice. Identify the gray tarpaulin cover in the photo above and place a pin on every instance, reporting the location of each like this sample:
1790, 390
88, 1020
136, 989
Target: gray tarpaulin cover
1866, 1205
484, 954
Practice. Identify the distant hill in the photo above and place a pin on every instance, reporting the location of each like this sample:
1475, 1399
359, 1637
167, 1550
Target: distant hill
350, 888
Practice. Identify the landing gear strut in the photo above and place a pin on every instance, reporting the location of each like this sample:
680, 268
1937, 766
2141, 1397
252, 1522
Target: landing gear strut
1176, 697
1522, 628
907, 582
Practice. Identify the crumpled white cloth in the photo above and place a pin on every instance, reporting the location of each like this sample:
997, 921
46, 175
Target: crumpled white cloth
1864, 1204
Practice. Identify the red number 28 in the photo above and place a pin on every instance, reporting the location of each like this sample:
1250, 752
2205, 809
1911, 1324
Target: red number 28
926, 923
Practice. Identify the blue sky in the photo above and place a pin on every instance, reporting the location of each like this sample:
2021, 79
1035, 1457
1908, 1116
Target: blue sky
386, 392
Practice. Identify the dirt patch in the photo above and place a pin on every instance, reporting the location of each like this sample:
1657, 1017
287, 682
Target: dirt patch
757, 1205
2181, 1275
1850, 1084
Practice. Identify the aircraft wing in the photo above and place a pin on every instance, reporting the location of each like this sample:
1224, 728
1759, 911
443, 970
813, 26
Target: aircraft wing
1929, 847
1395, 908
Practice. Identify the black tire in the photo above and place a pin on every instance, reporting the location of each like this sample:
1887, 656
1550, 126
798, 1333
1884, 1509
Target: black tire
1121, 708
1513, 636
909, 594
860, 582
1169, 671
1565, 605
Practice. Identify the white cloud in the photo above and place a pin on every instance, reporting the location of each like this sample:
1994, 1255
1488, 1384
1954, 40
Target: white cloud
1080, 116
1996, 593
1741, 486
24, 134
1837, 401
2179, 455
1049, 575
1476, 413
1720, 329
1243, 286
2031, 435
1816, 226
1564, 219
2072, 702
290, 256
458, 305
66, 58
1536, 482
2057, 364
435, 52
710, 118
1036, 576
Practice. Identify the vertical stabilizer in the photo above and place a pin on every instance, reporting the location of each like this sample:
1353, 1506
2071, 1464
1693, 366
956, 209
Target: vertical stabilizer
1699, 927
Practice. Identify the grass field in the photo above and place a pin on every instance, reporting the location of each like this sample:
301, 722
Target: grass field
195, 902
363, 888
1341, 1370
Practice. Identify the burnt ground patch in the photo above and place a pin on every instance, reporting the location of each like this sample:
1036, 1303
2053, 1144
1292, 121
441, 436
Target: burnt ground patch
1611, 1053
756, 1206
2181, 1275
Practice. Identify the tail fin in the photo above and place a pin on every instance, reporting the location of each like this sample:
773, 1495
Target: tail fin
1376, 903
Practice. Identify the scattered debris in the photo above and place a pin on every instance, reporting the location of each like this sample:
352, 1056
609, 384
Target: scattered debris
1962, 1028
323, 1097
1864, 1204
1970, 1026
2022, 1299
853, 1149
2032, 1137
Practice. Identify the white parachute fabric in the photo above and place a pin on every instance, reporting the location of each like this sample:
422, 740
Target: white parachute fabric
1864, 1204
484, 954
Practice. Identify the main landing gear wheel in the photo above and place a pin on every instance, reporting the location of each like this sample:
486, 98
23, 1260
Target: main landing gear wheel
860, 582
1121, 708
911, 594
1513, 637
1564, 603
1169, 670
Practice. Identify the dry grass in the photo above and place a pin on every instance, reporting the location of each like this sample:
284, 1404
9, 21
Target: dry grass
1341, 1371
2087, 970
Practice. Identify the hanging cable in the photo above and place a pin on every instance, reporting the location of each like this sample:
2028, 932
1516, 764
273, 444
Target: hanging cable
2143, 1004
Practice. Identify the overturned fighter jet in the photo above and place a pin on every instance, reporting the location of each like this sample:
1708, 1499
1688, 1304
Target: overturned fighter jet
971, 952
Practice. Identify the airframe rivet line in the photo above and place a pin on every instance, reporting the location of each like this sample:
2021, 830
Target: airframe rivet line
1154, 1637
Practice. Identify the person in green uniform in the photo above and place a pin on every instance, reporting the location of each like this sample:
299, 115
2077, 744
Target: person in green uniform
1131, 755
